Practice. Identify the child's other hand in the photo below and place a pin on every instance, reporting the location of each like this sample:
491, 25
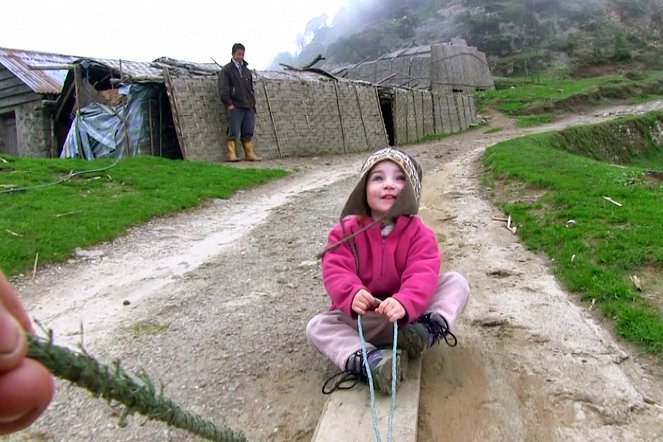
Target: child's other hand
392, 309
363, 302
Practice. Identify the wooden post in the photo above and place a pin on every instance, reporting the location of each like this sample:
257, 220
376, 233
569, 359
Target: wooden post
160, 123
124, 119
66, 97
149, 115
77, 77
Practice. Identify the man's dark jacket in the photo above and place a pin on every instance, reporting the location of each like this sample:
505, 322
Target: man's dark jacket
236, 89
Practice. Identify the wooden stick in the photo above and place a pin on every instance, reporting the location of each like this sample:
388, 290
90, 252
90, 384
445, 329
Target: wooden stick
607, 198
361, 115
73, 212
34, 268
271, 116
50, 67
340, 117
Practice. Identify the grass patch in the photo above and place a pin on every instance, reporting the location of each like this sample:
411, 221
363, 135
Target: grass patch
605, 244
533, 120
523, 97
147, 327
90, 208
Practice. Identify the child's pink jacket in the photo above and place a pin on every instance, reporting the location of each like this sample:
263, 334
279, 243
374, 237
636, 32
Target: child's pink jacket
404, 265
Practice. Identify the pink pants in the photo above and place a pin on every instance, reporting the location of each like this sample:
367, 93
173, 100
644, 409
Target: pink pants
335, 335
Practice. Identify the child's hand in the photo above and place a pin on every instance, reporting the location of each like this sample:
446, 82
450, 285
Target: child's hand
363, 301
392, 309
26, 387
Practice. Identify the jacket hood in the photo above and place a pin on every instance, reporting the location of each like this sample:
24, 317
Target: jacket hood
408, 200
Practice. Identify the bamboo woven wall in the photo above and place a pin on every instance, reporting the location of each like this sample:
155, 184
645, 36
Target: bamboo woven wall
444, 67
458, 67
198, 115
295, 116
306, 116
417, 114
410, 71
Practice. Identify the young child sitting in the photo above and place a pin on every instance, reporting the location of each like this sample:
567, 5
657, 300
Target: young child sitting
382, 262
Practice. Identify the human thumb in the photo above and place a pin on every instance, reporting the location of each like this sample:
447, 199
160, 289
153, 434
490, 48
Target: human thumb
13, 343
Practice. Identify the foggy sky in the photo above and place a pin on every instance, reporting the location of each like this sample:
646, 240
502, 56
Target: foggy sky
192, 30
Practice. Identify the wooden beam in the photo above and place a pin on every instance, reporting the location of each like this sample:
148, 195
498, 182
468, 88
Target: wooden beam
50, 67
64, 101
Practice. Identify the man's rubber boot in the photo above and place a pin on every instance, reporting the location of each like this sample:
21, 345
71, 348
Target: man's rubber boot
249, 154
232, 151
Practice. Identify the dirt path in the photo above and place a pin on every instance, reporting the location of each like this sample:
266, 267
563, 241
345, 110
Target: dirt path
218, 300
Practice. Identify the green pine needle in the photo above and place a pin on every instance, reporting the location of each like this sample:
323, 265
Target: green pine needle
115, 384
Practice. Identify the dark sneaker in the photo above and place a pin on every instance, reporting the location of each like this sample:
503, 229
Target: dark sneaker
413, 339
427, 330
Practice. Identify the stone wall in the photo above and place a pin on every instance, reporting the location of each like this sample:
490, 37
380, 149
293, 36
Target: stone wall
33, 127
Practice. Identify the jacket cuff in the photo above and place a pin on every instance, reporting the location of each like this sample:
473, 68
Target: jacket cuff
347, 307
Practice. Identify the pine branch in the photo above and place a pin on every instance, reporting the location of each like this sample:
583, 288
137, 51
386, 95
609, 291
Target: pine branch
116, 384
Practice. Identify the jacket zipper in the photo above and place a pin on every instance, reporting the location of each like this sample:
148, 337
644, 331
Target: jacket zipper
384, 242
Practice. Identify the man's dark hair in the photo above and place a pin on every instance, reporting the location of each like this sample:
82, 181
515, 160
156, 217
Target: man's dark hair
237, 47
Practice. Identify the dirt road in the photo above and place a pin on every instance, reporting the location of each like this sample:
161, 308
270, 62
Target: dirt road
214, 303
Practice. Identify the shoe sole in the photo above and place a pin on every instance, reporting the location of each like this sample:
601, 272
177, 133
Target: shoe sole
383, 379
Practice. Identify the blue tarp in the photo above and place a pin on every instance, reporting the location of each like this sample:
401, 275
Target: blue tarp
98, 130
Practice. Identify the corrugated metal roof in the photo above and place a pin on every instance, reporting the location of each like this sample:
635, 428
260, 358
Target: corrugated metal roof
41, 82
291, 75
189, 65
132, 68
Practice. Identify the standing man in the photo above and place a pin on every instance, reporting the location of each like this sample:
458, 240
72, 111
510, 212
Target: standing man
236, 90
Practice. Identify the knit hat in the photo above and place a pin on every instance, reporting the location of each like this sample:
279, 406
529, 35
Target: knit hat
408, 200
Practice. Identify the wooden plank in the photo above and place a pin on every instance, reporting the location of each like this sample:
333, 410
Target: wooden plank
5, 74
9, 144
14, 90
18, 99
10, 82
347, 417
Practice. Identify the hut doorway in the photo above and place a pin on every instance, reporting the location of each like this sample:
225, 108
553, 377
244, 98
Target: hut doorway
386, 101
8, 134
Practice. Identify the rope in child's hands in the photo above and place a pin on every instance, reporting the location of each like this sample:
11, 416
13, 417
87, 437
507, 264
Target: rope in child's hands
371, 389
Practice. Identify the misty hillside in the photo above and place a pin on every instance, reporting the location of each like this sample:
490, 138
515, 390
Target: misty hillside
518, 36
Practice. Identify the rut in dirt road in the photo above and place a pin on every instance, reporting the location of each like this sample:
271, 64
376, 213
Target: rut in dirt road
219, 318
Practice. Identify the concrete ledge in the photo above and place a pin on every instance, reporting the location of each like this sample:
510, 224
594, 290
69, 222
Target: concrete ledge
347, 413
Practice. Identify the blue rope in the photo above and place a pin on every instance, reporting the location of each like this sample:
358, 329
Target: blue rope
371, 389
